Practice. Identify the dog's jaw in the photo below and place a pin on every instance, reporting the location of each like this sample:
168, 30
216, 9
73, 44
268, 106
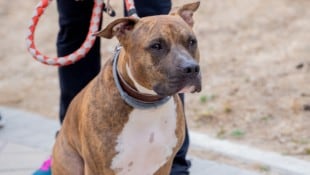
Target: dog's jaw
139, 87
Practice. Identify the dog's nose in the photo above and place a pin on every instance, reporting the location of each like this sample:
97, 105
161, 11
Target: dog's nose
191, 69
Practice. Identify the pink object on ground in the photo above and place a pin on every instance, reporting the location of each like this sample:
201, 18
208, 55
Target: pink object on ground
46, 164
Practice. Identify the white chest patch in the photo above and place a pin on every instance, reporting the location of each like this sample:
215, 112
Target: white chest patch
146, 141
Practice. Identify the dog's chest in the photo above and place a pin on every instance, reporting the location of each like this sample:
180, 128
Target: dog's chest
146, 141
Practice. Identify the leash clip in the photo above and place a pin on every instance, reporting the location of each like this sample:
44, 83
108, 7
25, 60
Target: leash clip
108, 9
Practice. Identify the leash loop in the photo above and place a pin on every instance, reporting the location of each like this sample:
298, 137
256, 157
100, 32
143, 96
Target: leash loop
76, 55
87, 44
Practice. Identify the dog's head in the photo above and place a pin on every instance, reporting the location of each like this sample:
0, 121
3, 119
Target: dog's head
161, 51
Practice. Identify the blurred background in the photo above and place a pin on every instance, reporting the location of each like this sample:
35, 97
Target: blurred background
255, 58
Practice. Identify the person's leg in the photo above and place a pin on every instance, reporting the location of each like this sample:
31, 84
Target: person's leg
151, 7
144, 8
1, 121
74, 21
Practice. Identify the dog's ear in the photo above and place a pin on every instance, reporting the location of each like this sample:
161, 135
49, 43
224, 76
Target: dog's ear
186, 12
119, 28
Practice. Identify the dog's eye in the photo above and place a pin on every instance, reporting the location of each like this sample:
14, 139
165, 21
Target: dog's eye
156, 46
192, 42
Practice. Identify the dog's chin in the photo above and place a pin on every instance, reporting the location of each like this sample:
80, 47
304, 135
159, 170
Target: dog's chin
190, 89
184, 87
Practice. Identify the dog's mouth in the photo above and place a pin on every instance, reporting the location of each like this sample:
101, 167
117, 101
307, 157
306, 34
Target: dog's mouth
179, 85
189, 89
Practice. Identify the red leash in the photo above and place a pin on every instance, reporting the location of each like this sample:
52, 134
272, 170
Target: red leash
87, 44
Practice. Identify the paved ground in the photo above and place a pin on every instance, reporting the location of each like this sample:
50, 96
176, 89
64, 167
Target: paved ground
27, 139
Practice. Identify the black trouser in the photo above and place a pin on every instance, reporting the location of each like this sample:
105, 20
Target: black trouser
74, 20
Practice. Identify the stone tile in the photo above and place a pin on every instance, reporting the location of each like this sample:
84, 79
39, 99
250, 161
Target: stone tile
206, 167
28, 129
17, 172
279, 163
16, 157
12, 148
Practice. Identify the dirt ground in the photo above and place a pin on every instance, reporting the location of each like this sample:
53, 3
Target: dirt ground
255, 58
